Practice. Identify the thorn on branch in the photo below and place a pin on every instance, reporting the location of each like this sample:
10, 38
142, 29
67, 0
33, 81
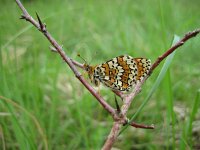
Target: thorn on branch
53, 49
42, 26
117, 105
23, 17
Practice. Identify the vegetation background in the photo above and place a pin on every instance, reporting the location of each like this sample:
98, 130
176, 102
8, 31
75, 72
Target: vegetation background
48, 105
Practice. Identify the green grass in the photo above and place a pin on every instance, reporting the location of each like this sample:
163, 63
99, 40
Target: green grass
43, 105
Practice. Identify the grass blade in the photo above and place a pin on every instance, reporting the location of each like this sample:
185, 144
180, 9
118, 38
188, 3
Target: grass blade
40, 130
186, 139
156, 84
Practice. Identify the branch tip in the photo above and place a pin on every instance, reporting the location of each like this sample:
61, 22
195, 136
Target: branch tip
197, 31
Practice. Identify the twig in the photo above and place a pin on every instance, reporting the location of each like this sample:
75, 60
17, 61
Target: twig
73, 61
42, 27
136, 125
187, 36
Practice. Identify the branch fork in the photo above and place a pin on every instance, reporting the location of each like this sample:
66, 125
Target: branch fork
118, 114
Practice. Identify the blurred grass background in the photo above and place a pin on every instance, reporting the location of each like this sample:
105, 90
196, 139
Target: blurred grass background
46, 105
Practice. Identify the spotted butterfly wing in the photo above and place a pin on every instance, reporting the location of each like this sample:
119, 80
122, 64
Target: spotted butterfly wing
121, 73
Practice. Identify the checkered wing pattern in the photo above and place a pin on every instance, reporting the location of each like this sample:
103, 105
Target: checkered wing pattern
120, 73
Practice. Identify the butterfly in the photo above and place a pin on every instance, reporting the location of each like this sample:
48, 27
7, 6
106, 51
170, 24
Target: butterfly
120, 73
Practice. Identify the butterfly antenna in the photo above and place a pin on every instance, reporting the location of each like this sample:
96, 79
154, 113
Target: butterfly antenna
82, 58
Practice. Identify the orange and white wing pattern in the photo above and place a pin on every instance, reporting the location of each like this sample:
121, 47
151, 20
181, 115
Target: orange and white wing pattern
120, 73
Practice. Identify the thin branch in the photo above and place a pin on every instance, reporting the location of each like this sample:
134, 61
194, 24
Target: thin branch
42, 27
138, 86
187, 36
112, 136
77, 64
73, 61
136, 125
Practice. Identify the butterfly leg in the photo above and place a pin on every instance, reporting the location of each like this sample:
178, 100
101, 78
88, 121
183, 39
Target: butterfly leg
97, 83
99, 90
